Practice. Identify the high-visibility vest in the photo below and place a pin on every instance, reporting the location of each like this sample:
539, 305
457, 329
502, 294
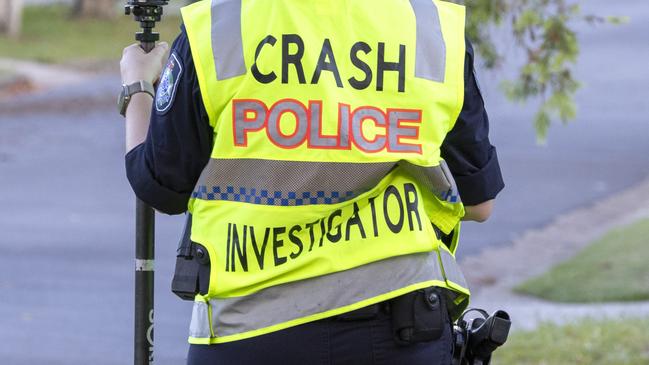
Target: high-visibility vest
325, 191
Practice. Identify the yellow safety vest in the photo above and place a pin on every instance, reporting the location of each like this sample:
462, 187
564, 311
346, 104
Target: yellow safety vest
325, 183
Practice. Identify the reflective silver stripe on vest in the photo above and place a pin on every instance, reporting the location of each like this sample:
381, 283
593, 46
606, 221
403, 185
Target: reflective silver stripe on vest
227, 45
199, 326
292, 183
452, 270
431, 47
287, 302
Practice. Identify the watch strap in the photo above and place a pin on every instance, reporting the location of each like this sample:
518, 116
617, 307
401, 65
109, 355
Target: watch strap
140, 87
129, 90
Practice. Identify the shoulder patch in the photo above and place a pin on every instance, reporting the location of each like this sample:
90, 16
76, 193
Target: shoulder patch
168, 84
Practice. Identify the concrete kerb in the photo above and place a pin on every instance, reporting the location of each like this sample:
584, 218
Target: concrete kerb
42, 75
494, 273
10, 81
53, 87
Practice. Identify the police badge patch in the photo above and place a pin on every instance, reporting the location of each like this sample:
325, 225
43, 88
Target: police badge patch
168, 84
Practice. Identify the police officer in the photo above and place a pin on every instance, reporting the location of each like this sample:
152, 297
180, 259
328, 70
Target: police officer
326, 153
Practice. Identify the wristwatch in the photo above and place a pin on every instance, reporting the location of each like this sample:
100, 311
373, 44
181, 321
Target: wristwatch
129, 90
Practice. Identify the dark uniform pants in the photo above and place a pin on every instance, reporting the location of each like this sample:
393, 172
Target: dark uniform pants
329, 341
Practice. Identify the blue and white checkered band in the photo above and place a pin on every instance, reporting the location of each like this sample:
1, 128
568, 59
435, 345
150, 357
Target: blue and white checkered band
168, 84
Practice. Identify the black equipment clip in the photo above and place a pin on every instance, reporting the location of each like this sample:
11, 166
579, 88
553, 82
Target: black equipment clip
475, 340
192, 272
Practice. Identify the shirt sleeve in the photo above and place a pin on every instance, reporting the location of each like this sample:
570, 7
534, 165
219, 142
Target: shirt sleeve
467, 150
164, 169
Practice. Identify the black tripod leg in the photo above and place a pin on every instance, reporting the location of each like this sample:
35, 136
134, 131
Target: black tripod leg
147, 46
144, 275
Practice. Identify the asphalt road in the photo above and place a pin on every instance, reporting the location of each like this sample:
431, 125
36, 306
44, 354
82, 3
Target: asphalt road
66, 210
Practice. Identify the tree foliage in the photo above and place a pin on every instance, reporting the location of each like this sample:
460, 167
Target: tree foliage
545, 31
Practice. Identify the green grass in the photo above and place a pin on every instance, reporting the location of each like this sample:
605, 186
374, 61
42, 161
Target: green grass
587, 342
51, 35
615, 268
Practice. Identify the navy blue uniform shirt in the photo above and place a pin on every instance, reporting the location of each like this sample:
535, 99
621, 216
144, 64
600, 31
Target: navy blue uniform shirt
165, 168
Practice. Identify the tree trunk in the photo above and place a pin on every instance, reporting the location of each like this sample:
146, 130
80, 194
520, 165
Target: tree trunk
11, 17
95, 9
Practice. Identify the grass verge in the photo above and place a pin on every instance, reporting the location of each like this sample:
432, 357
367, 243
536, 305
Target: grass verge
51, 35
613, 268
587, 342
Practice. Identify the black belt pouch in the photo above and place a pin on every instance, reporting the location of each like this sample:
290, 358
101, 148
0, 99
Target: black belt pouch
418, 316
192, 272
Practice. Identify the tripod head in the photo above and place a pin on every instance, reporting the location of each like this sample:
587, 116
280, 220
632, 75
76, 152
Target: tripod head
147, 12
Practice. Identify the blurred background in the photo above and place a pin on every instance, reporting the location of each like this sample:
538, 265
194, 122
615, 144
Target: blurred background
566, 252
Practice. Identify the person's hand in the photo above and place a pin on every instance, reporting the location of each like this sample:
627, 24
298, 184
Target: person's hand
138, 65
